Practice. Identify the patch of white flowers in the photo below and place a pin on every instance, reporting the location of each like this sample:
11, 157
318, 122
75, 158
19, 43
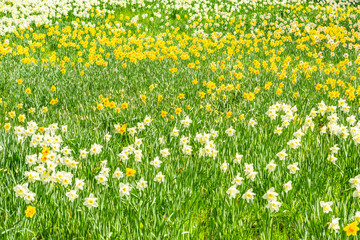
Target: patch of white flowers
57, 164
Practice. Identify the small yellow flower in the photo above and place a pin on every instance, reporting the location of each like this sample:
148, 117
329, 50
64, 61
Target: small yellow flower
100, 106
7, 127
351, 229
163, 113
173, 70
30, 211
11, 114
130, 172
124, 105
21, 118
229, 113
54, 101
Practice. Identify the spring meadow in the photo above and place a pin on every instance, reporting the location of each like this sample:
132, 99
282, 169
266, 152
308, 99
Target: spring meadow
179, 119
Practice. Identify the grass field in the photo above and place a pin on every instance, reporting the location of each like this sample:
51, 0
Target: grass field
179, 119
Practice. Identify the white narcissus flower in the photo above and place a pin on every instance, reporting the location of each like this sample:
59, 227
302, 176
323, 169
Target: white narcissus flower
31, 159
271, 195
271, 166
326, 206
132, 131
224, 166
288, 186
79, 184
251, 175
72, 195
323, 130
249, 195
278, 130
237, 180
142, 184
165, 152
66, 151
232, 191
214, 133
64, 128
29, 197
351, 120
273, 205
107, 137
147, 120
298, 134
187, 149
156, 162
293, 168
356, 193
249, 168
125, 189
238, 158
101, 179
175, 132
91, 201
230, 132
332, 158
184, 140
141, 126
159, 177
282, 155
252, 122
334, 224
95, 149
32, 176
357, 216
83, 153
21, 190
118, 174
294, 143
186, 122
123, 156
334, 149
138, 142
345, 108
